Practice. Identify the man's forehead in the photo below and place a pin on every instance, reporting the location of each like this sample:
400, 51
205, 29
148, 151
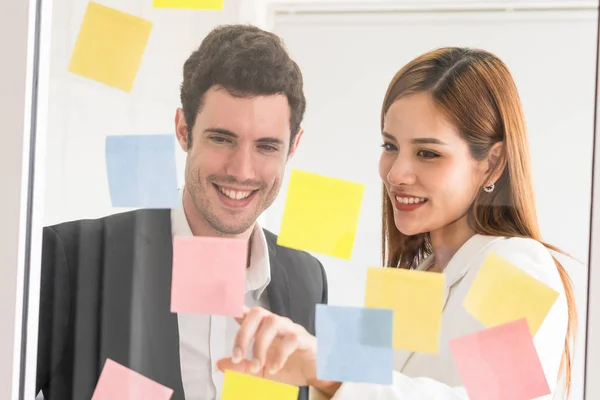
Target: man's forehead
256, 117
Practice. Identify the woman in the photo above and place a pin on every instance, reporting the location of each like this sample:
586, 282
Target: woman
456, 186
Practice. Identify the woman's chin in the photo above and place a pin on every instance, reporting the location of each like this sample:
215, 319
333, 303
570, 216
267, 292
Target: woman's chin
409, 230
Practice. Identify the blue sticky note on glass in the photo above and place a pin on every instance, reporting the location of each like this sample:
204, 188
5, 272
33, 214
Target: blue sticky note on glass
354, 344
141, 170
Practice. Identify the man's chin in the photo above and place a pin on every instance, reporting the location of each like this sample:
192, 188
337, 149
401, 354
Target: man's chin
233, 227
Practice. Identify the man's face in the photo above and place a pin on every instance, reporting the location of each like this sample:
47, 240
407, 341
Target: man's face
237, 158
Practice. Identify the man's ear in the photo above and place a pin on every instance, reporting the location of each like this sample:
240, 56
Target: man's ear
496, 162
295, 144
181, 130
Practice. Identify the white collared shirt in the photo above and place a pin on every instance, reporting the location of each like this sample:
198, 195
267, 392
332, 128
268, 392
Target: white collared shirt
204, 339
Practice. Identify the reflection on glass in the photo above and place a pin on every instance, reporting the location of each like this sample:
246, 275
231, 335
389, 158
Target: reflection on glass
444, 122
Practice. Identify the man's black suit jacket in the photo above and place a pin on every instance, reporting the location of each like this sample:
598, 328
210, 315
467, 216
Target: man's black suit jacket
106, 290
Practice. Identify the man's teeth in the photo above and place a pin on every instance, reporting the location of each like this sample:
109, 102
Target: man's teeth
234, 194
411, 200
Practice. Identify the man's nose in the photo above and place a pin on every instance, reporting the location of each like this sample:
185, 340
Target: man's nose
240, 165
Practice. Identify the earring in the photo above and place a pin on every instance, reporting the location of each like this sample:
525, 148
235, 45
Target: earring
489, 188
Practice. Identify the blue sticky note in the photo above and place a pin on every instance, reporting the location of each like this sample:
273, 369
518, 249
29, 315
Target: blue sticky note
141, 171
342, 354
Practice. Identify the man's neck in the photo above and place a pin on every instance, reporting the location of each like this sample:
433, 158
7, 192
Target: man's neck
200, 227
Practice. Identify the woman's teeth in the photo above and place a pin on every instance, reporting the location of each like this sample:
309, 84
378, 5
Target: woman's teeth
411, 200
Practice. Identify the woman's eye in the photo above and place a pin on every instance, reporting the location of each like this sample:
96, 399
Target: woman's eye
388, 147
427, 154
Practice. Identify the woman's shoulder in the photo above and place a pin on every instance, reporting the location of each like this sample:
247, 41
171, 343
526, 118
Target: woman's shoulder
529, 255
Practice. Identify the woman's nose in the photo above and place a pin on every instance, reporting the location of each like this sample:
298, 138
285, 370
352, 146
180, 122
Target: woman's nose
401, 173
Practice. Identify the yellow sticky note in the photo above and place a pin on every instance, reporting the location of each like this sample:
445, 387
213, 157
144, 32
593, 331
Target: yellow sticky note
417, 298
238, 386
193, 4
321, 214
110, 46
502, 292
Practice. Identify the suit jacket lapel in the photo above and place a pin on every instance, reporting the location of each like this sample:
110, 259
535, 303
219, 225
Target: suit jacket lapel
153, 337
278, 290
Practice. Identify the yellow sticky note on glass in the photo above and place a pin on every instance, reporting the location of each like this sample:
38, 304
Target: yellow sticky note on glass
417, 299
321, 214
238, 386
110, 46
503, 292
192, 4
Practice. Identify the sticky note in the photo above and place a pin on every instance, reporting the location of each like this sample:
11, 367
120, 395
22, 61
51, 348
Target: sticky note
503, 292
238, 386
500, 363
141, 171
321, 214
209, 275
417, 300
341, 353
110, 46
193, 4
118, 382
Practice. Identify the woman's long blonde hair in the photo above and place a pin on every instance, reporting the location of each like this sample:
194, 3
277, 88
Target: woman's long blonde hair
477, 93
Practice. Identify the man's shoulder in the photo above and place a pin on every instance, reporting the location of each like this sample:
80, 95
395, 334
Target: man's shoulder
76, 229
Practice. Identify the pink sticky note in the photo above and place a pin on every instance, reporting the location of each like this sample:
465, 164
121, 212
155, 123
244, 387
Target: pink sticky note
118, 382
209, 275
500, 363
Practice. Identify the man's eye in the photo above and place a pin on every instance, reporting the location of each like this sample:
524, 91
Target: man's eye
219, 139
269, 148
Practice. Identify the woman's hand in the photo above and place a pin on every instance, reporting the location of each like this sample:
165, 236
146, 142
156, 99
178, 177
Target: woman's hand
283, 351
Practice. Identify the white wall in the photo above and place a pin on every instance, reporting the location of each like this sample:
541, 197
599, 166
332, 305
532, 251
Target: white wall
15, 100
13, 41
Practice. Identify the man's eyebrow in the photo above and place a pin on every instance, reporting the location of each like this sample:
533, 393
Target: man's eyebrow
221, 131
271, 140
226, 132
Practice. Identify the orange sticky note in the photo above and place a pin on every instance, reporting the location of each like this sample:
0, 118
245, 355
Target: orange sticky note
110, 46
416, 297
118, 382
209, 275
191, 4
238, 386
502, 292
500, 363
321, 214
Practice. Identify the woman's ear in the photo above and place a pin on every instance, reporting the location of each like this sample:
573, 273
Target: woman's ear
496, 162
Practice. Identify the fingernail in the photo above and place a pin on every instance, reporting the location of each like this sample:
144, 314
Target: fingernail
237, 355
272, 370
255, 367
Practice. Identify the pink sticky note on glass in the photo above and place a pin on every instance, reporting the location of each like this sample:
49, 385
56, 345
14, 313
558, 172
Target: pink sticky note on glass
209, 275
118, 382
500, 363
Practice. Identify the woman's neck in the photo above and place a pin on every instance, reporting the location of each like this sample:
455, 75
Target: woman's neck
447, 240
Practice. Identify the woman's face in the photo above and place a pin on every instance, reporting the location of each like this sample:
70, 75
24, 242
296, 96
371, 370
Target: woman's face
428, 172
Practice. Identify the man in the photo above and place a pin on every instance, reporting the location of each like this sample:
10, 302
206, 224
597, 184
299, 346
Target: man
106, 283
